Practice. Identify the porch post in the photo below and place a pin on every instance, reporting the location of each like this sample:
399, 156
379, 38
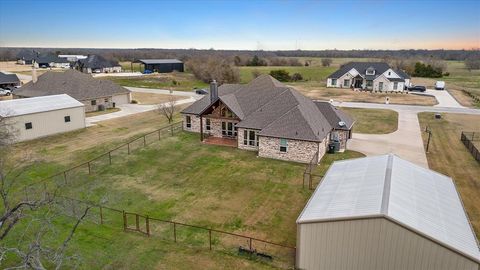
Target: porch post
201, 128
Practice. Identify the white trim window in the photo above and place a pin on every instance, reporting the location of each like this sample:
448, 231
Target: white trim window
395, 85
370, 71
283, 145
380, 86
346, 83
188, 121
250, 137
334, 82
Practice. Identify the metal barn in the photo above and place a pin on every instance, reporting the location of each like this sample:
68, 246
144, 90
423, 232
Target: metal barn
37, 117
383, 212
161, 65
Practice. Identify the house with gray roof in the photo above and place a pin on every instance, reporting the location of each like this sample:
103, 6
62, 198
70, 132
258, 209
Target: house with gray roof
374, 76
94, 93
8, 81
270, 118
97, 64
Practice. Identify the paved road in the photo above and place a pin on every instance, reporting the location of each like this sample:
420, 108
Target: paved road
407, 141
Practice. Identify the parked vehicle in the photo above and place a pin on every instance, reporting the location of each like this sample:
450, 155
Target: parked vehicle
419, 88
147, 71
201, 92
5, 92
440, 85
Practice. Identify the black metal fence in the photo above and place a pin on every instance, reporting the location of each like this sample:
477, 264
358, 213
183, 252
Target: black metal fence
276, 254
309, 177
468, 139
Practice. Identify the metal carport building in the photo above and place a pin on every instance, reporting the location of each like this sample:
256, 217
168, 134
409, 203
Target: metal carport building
161, 65
383, 212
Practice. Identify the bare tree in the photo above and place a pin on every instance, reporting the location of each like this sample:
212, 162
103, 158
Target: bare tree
34, 209
326, 62
168, 108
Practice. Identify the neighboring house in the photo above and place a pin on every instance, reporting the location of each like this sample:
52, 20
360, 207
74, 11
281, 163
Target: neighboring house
161, 65
383, 212
8, 81
83, 87
97, 64
268, 117
37, 117
51, 60
376, 76
72, 57
26, 57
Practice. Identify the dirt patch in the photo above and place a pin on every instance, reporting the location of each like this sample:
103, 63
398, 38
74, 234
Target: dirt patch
152, 98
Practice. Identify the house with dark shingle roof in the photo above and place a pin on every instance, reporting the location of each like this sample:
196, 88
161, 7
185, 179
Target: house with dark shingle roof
82, 87
51, 60
26, 56
8, 81
97, 64
268, 117
375, 76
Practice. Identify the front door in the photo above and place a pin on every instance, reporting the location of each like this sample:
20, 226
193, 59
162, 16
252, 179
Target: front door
229, 129
358, 83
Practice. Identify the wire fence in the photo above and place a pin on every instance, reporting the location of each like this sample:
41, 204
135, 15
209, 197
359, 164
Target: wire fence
276, 254
309, 177
468, 139
99, 162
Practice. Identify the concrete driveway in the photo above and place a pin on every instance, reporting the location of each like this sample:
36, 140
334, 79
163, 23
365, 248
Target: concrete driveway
443, 97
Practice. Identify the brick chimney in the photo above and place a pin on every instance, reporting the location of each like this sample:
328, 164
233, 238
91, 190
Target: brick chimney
213, 91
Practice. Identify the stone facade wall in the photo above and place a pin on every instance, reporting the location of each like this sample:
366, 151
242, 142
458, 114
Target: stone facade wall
215, 127
240, 142
343, 137
106, 101
298, 151
195, 123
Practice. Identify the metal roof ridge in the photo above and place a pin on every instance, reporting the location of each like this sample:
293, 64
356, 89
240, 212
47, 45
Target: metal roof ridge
387, 184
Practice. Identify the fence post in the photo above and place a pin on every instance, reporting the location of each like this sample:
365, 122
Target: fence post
137, 225
159, 131
101, 216
65, 177
174, 232
89, 169
147, 223
144, 141
128, 146
124, 220
210, 238
110, 157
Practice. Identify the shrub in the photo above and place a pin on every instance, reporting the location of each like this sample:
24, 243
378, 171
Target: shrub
326, 62
256, 73
134, 101
297, 77
212, 68
281, 75
256, 61
428, 71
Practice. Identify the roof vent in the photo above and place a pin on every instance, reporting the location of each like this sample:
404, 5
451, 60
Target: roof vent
342, 124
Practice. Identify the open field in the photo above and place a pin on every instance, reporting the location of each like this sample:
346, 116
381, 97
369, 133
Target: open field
175, 81
449, 156
310, 73
373, 121
152, 98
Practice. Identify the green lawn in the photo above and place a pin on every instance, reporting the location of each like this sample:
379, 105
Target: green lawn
373, 121
175, 81
313, 73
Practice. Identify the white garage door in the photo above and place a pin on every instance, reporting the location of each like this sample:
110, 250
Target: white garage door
121, 99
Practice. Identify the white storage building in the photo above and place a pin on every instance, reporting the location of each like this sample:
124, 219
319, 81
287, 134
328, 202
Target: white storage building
36, 117
383, 212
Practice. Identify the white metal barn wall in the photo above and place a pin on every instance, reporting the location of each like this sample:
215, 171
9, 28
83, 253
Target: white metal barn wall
370, 244
48, 123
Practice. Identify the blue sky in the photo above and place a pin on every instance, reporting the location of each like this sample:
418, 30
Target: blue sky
267, 25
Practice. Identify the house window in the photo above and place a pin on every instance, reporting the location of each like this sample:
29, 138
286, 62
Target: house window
250, 137
28, 125
229, 129
67, 118
334, 82
188, 119
370, 71
106, 100
380, 86
395, 85
93, 102
283, 145
369, 83
207, 124
389, 73
346, 83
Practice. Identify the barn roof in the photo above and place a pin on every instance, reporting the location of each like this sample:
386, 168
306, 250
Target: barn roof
23, 106
419, 199
78, 85
159, 61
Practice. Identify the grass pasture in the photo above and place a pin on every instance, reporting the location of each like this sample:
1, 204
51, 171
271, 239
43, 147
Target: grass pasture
373, 121
449, 156
175, 81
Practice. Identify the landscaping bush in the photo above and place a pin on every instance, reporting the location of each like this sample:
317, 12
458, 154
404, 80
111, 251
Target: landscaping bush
297, 77
281, 75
